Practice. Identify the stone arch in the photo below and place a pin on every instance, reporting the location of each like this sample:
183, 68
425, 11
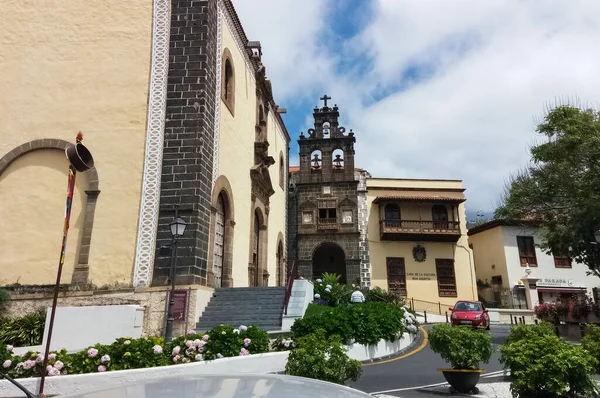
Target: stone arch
337, 159
281, 261
329, 257
258, 274
81, 271
228, 80
222, 196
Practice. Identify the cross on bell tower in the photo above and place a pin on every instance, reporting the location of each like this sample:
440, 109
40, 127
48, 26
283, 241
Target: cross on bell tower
324, 99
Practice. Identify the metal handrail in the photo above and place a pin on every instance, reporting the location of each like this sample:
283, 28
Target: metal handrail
290, 283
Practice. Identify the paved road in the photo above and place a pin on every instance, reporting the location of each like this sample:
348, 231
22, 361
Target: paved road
418, 369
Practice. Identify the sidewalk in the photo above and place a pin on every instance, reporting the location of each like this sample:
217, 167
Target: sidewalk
431, 318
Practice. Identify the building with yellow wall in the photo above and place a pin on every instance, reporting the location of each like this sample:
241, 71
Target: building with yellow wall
169, 97
417, 239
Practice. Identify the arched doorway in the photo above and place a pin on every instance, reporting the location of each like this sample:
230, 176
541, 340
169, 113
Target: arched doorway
330, 258
219, 239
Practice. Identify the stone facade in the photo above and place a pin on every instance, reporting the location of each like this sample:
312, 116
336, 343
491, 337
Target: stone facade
363, 222
324, 203
189, 138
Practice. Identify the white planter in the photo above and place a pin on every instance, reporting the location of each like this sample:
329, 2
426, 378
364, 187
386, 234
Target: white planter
383, 348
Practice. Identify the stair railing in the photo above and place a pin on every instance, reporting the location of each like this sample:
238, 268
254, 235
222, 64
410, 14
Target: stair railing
293, 273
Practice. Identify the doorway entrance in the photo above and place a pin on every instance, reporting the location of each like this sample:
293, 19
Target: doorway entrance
330, 258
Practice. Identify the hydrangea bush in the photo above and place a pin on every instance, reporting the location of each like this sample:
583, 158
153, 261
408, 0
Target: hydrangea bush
128, 353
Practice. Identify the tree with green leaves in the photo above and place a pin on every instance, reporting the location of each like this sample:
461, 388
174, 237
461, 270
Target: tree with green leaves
560, 189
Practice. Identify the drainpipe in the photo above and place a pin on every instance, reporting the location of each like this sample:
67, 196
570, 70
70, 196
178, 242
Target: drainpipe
471, 269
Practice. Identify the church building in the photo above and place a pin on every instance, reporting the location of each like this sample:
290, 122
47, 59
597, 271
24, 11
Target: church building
177, 109
406, 236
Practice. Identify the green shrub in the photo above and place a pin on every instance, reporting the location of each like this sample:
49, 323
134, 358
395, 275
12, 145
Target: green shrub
525, 332
322, 357
282, 343
545, 366
329, 290
363, 323
24, 331
461, 346
591, 343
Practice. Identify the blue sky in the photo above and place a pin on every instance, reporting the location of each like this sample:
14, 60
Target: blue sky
432, 89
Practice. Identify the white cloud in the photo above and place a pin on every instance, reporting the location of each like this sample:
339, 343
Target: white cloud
494, 64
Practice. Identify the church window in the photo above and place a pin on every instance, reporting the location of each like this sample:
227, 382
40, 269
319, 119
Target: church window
328, 211
326, 130
228, 80
281, 172
316, 160
337, 159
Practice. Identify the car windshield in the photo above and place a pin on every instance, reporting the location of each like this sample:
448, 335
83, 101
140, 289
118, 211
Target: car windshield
464, 306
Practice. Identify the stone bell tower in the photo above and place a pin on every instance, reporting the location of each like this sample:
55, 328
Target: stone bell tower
326, 222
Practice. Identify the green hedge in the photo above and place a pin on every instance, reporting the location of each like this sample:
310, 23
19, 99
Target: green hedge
363, 323
25, 331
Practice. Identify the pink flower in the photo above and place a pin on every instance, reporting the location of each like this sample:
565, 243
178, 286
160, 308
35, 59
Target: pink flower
92, 353
176, 350
198, 357
52, 357
205, 337
101, 368
192, 331
58, 365
176, 358
244, 352
105, 358
189, 343
39, 359
197, 342
7, 364
157, 349
54, 372
28, 364
247, 342
201, 344
48, 368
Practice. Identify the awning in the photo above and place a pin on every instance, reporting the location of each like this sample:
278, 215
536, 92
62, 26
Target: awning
407, 198
562, 289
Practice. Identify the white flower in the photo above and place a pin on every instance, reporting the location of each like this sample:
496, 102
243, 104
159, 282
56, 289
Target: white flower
157, 349
176, 350
189, 343
185, 360
219, 356
58, 365
319, 281
243, 328
236, 331
9, 348
286, 343
53, 372
328, 290
411, 329
198, 357
328, 287
197, 343
317, 296
127, 342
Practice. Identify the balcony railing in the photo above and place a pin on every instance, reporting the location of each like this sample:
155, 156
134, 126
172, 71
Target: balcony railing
328, 223
419, 227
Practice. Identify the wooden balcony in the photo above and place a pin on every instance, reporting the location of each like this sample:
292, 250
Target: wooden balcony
327, 223
414, 230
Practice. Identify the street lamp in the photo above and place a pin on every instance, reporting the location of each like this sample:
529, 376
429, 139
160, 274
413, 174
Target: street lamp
177, 229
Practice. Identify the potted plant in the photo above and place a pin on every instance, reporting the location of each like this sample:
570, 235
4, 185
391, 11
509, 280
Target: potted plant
464, 348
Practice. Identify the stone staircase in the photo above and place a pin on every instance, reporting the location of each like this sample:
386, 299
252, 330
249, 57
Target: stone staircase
259, 306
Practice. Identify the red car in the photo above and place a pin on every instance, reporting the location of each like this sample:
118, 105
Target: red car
470, 313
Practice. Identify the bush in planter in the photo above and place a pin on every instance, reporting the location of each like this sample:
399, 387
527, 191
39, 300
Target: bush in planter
545, 366
227, 341
524, 332
4, 301
321, 356
362, 323
31, 364
378, 294
330, 292
591, 343
25, 331
461, 346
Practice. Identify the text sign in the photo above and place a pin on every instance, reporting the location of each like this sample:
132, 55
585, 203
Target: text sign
421, 276
180, 306
555, 282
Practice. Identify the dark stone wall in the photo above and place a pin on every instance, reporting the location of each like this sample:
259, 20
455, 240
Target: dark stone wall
189, 136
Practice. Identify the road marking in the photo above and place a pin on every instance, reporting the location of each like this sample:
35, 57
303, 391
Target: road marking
419, 348
489, 375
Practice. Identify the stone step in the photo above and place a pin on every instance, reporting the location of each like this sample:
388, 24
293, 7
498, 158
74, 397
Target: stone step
249, 289
267, 326
250, 294
217, 311
245, 304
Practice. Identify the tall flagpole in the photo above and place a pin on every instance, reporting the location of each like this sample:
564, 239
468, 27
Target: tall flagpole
80, 159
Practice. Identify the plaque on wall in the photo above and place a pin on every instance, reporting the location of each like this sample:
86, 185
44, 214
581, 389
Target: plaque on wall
180, 305
419, 253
